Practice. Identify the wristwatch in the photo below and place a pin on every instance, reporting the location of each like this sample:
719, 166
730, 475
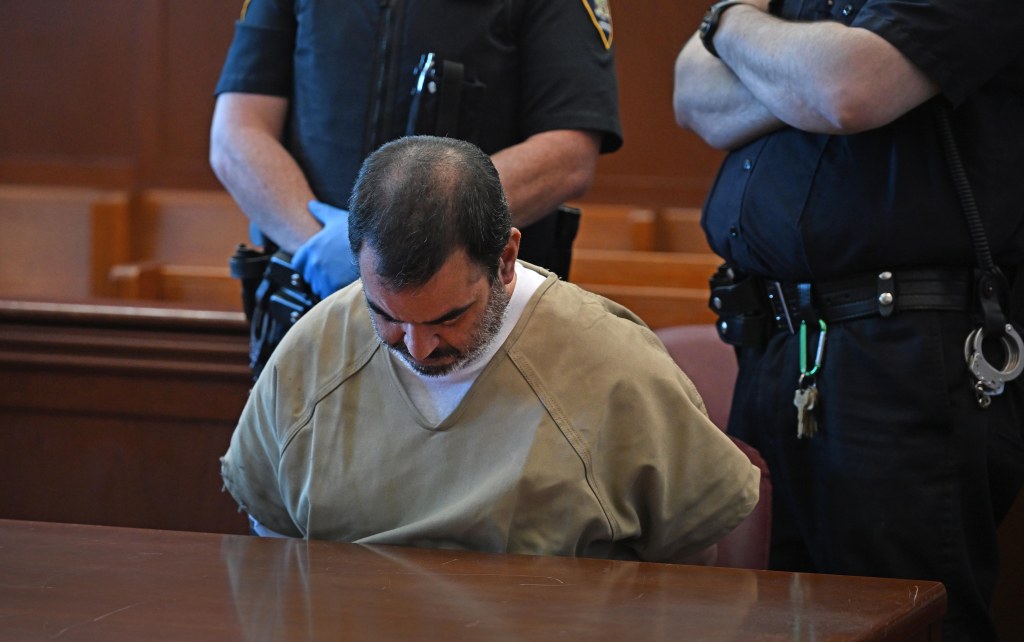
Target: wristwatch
709, 25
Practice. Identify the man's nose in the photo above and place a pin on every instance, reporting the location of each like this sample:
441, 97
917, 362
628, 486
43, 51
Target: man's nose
420, 341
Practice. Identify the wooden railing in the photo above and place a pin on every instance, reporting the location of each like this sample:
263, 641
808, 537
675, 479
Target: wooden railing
117, 414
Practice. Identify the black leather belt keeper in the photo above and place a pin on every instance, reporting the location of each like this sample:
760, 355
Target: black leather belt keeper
751, 309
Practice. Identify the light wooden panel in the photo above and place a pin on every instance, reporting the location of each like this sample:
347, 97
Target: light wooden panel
211, 287
181, 243
659, 307
621, 267
60, 241
677, 229
610, 226
187, 227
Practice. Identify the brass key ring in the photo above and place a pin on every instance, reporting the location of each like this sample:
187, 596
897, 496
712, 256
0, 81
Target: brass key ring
990, 379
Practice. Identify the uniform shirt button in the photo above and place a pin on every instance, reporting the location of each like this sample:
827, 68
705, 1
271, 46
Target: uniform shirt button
747, 164
733, 232
847, 10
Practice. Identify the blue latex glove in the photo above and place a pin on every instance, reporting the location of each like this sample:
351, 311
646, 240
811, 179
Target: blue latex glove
326, 260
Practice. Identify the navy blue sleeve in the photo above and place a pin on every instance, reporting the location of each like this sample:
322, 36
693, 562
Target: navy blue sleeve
568, 69
260, 58
961, 45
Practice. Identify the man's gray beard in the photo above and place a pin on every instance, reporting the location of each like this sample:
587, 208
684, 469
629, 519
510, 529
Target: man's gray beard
487, 328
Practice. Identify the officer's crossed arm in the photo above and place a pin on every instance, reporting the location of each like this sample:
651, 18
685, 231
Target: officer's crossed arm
710, 100
820, 76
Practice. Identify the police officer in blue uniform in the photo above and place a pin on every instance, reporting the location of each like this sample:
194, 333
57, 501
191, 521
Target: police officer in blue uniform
309, 89
862, 135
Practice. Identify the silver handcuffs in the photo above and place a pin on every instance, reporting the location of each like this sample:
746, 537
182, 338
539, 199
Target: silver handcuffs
990, 379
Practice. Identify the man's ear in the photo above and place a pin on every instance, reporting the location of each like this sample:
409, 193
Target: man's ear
507, 262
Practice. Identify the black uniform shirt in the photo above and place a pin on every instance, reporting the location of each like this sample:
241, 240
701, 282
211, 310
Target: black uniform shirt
801, 206
347, 68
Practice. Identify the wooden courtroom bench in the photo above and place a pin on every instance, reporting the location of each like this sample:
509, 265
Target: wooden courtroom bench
608, 226
207, 286
620, 267
662, 288
677, 229
61, 241
181, 241
196, 273
659, 306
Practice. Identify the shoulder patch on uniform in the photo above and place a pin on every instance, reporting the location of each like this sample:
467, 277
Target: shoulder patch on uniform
601, 15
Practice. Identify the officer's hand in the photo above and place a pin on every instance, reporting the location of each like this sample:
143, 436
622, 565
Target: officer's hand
325, 260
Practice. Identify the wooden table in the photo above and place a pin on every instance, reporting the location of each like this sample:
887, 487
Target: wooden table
72, 582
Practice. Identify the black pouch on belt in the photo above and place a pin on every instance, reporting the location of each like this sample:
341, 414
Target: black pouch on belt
247, 265
273, 301
739, 301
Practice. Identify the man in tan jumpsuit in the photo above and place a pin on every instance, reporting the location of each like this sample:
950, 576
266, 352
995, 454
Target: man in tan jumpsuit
454, 397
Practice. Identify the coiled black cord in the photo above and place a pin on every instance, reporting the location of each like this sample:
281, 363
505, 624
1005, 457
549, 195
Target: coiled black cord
963, 187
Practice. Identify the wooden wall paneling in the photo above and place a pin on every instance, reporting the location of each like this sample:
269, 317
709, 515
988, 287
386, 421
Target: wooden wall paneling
110, 93
193, 40
149, 111
111, 470
69, 91
118, 93
659, 163
117, 415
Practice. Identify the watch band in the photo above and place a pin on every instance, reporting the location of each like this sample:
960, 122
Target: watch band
709, 24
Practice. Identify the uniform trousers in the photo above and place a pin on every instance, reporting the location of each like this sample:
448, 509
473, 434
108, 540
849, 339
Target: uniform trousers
907, 476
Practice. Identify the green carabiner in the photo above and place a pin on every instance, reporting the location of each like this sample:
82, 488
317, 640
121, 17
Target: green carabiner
804, 372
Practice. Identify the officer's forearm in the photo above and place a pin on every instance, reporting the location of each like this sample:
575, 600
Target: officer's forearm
258, 172
710, 100
546, 170
819, 76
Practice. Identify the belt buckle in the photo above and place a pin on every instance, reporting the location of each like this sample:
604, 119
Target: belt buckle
777, 299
